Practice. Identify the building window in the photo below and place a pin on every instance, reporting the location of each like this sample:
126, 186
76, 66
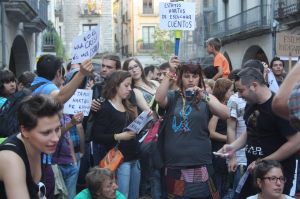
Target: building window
87, 27
148, 40
147, 6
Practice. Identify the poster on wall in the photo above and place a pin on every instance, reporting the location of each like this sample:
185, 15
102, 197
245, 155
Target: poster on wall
91, 7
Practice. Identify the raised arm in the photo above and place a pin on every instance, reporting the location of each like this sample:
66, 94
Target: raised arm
65, 93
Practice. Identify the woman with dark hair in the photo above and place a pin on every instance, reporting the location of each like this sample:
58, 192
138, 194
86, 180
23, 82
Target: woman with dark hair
100, 185
8, 85
21, 154
223, 89
186, 145
270, 180
115, 115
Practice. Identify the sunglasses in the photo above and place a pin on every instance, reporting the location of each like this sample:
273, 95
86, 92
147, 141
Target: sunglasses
42, 190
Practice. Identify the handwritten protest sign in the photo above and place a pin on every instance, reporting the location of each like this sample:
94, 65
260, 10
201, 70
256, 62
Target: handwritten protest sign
177, 15
138, 124
81, 101
85, 46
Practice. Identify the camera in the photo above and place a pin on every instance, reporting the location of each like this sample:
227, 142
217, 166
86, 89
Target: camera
189, 94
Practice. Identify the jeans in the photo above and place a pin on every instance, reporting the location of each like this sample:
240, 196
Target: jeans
128, 178
70, 174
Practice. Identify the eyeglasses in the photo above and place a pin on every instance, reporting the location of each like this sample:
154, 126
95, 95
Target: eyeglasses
133, 67
274, 179
42, 190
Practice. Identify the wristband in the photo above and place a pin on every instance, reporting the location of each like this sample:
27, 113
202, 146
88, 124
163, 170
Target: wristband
171, 75
205, 96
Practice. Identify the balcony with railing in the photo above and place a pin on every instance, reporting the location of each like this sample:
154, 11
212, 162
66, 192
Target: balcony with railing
31, 12
287, 11
48, 43
144, 47
249, 23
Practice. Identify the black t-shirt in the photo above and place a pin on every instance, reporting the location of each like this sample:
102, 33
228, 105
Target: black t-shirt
18, 147
267, 132
109, 121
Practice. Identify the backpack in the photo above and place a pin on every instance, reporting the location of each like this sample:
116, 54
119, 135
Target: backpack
8, 113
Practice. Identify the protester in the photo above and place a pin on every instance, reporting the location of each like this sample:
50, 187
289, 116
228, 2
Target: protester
20, 155
268, 136
213, 46
235, 128
186, 145
145, 90
270, 180
7, 85
100, 185
151, 72
109, 130
25, 80
277, 67
217, 127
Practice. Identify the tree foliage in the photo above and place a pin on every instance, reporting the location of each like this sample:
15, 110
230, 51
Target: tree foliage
163, 43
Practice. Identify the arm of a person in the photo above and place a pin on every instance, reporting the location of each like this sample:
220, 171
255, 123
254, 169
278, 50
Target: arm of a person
219, 74
287, 149
140, 100
162, 92
212, 130
81, 138
13, 174
66, 92
217, 108
280, 101
231, 129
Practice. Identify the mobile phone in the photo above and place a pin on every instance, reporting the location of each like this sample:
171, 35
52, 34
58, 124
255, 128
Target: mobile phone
221, 154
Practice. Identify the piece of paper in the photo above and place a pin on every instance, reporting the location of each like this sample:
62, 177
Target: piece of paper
177, 15
140, 122
85, 46
273, 85
81, 101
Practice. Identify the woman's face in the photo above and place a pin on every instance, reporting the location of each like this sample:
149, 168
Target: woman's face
123, 90
109, 188
190, 80
44, 137
271, 185
135, 70
10, 88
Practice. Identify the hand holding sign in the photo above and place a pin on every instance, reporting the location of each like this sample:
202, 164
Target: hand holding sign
138, 124
86, 68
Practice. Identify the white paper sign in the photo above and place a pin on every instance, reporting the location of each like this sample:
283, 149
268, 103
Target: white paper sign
138, 124
81, 101
85, 46
177, 15
273, 85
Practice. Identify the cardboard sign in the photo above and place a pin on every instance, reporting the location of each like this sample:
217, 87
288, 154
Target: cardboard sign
81, 101
177, 15
85, 46
287, 44
138, 124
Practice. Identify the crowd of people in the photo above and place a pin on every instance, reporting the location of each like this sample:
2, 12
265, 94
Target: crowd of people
223, 134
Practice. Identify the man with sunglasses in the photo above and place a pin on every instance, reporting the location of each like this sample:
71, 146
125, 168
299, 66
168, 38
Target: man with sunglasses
268, 136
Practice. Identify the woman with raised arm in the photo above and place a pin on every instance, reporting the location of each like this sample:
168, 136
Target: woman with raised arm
186, 144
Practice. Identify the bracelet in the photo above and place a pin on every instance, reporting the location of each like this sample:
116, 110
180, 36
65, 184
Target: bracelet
205, 96
171, 75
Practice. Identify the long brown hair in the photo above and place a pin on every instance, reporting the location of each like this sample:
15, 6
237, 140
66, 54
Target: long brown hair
110, 90
143, 76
